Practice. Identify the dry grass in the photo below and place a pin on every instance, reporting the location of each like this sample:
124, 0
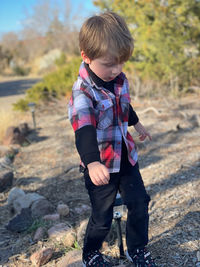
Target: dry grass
10, 118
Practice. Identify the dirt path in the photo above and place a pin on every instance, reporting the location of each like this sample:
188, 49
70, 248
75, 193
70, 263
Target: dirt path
170, 166
13, 90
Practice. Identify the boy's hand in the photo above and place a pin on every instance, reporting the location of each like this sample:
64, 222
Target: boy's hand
142, 132
98, 173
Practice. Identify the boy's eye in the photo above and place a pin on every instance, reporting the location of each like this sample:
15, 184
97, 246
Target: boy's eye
109, 64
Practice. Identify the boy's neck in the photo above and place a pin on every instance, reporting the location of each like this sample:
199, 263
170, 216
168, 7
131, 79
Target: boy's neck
98, 81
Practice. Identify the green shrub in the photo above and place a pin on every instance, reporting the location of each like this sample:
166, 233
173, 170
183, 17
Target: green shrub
20, 71
61, 60
21, 105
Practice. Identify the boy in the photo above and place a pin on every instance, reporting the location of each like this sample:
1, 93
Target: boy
100, 113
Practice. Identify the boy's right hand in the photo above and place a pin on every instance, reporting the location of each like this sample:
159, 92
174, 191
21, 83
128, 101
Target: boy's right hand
98, 173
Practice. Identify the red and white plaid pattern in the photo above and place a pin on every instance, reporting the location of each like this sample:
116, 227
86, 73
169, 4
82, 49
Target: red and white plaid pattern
108, 113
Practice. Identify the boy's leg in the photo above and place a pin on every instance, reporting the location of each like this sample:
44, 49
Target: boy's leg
102, 199
136, 199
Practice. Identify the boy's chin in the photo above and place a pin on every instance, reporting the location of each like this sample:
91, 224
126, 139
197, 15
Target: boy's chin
109, 79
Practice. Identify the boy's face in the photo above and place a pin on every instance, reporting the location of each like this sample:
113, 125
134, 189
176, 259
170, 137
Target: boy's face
104, 67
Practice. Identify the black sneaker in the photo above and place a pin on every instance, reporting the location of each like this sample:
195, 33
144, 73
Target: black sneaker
141, 258
95, 258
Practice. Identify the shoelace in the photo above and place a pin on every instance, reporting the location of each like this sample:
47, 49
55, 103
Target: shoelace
93, 256
144, 256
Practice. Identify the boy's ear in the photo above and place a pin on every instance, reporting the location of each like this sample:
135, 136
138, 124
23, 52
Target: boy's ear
85, 58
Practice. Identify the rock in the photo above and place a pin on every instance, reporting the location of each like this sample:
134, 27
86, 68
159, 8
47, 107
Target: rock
21, 222
41, 257
58, 232
39, 234
4, 150
25, 201
82, 209
41, 207
71, 259
14, 193
5, 162
6, 179
69, 238
52, 217
63, 209
24, 129
81, 232
13, 136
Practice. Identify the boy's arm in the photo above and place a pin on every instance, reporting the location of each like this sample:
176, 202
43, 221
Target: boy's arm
134, 120
86, 144
132, 116
142, 131
81, 115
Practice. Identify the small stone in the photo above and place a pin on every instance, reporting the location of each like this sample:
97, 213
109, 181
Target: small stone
21, 222
63, 209
52, 217
69, 238
6, 179
24, 129
39, 234
5, 162
105, 245
13, 136
25, 201
41, 257
82, 209
58, 232
14, 193
81, 232
72, 259
41, 207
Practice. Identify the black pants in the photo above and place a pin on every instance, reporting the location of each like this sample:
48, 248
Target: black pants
131, 187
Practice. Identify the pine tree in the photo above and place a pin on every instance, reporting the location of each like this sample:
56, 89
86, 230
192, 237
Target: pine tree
167, 38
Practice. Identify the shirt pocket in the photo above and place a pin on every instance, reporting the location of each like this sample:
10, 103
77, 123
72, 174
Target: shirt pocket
104, 113
125, 102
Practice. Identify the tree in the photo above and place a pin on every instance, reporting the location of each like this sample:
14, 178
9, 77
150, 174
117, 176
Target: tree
167, 38
53, 21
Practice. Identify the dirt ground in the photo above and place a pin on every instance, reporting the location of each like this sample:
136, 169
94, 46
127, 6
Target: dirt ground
170, 166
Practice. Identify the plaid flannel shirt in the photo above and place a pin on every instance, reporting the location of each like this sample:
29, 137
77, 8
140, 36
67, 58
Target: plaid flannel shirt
108, 113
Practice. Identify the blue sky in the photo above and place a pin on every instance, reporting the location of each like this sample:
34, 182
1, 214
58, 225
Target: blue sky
12, 12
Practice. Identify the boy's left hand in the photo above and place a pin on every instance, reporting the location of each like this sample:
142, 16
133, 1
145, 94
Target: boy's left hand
142, 132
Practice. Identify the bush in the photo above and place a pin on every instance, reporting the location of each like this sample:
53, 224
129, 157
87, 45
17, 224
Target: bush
21, 104
61, 60
20, 71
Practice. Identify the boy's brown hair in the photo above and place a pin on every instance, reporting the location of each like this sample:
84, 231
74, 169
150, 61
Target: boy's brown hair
105, 34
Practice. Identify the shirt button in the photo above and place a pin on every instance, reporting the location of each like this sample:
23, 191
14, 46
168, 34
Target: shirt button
118, 143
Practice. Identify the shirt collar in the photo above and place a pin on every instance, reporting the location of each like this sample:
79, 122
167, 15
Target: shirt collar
98, 81
92, 79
